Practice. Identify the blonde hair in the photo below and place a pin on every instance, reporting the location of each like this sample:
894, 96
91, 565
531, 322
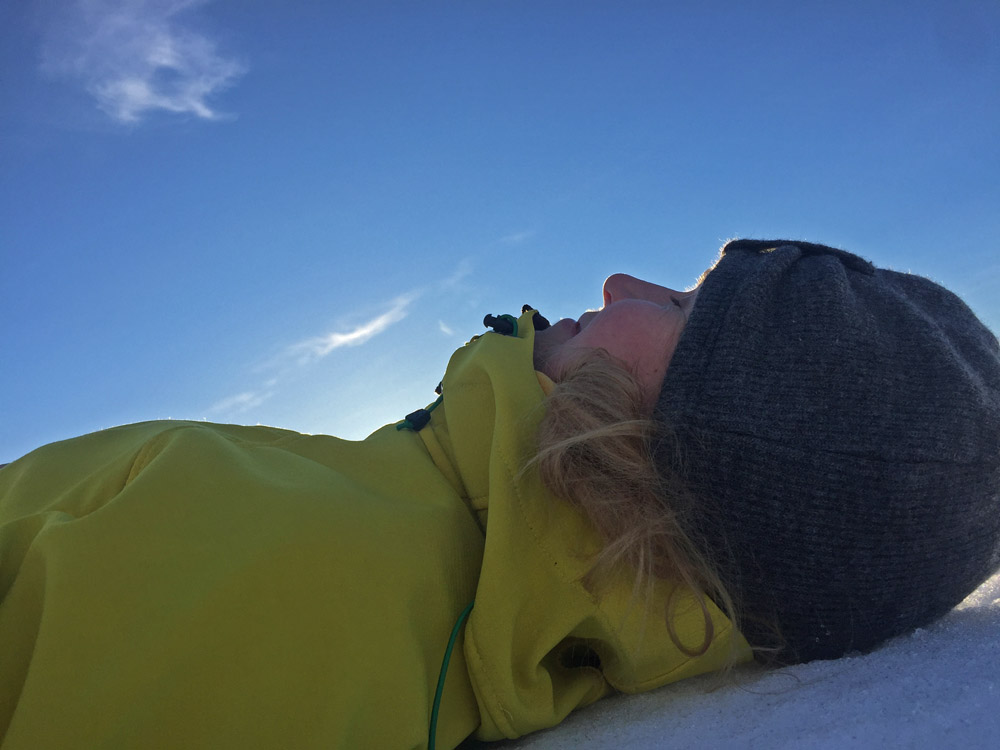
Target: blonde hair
596, 452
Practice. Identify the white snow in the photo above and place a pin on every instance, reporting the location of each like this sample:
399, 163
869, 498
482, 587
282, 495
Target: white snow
934, 688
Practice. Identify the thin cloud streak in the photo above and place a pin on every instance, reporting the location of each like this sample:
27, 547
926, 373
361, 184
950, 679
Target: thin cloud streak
516, 238
134, 57
310, 350
240, 403
462, 270
315, 348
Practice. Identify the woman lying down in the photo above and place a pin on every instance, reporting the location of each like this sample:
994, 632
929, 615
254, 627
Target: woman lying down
794, 460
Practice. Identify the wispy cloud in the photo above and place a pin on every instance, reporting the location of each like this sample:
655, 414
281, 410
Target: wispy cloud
320, 346
462, 269
445, 328
516, 238
304, 352
134, 57
240, 403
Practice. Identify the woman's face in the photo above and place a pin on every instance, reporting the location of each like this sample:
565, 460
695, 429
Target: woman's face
640, 325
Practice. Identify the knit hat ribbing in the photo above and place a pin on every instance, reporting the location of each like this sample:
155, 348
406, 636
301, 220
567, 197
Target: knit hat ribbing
840, 428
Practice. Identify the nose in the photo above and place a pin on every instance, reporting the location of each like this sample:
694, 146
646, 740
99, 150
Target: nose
621, 286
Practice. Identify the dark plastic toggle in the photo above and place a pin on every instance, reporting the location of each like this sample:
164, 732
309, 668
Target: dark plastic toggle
500, 323
418, 419
537, 320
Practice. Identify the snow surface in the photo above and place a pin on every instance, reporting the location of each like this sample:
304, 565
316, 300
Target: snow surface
934, 688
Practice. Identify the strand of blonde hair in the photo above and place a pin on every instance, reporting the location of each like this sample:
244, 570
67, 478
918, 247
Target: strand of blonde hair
595, 446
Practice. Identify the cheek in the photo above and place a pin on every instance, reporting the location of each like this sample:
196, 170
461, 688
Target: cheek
639, 339
648, 355
650, 376
632, 349
640, 335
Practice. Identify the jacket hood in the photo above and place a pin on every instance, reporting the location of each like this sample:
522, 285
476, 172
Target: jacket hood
538, 643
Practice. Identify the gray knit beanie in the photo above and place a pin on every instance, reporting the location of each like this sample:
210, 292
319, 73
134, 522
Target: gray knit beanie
839, 426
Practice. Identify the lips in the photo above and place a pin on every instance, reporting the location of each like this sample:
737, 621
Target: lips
561, 331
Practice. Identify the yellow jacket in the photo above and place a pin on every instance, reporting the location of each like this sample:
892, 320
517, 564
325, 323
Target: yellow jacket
191, 585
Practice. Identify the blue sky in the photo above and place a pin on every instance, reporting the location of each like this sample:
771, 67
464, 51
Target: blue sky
291, 213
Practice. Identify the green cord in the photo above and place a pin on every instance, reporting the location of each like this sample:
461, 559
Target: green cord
431, 737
